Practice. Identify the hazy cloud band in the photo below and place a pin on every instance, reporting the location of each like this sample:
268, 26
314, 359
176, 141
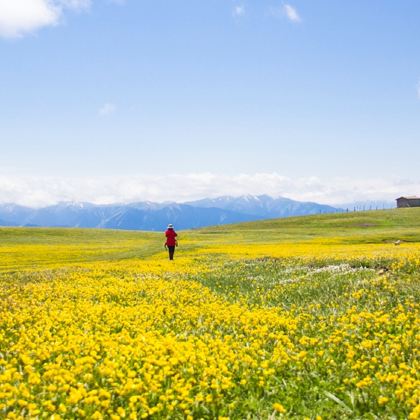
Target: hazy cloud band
40, 191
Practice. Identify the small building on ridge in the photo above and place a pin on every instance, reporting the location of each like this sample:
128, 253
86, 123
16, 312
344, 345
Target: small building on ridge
408, 202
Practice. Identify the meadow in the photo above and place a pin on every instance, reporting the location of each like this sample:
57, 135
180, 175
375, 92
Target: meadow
308, 318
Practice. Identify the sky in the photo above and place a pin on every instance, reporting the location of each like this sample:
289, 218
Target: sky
128, 100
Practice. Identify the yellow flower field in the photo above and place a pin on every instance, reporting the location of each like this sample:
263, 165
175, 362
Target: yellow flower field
106, 329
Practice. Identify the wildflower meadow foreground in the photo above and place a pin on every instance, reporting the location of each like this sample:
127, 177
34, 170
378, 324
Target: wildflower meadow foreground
314, 317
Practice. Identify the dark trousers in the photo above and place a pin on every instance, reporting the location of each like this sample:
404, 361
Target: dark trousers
171, 250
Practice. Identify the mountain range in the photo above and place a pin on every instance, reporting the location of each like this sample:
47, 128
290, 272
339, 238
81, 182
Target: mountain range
155, 216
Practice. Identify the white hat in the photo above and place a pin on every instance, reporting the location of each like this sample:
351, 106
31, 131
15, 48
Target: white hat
170, 226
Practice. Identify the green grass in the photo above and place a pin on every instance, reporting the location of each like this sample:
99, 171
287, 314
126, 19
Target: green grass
365, 227
69, 236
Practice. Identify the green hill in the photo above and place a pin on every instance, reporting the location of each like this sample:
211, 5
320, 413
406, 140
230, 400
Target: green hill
373, 227
377, 226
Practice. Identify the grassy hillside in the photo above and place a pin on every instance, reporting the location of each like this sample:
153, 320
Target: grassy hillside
39, 247
309, 317
376, 226
361, 234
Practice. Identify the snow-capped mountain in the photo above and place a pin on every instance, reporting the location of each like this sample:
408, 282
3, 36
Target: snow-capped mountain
264, 206
155, 216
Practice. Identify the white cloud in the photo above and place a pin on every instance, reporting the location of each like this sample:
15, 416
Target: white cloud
39, 191
239, 10
291, 13
107, 109
20, 17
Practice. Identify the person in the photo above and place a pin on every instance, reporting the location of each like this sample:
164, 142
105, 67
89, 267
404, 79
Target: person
171, 241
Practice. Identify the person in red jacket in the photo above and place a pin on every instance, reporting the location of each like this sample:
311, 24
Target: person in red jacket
171, 241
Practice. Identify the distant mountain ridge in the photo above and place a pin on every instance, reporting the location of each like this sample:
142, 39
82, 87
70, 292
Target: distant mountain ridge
264, 206
155, 216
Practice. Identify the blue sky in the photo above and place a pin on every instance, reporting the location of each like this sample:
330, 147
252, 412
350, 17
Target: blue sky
298, 90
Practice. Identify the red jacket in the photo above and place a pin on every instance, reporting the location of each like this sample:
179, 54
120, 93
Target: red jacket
170, 237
